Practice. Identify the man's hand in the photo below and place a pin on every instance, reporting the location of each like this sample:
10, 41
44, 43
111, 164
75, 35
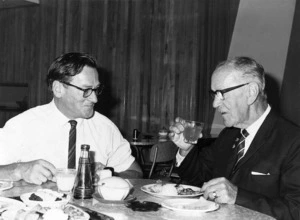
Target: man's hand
176, 135
37, 171
220, 190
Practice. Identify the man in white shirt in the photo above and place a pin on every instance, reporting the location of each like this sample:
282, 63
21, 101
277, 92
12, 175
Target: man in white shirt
35, 143
255, 160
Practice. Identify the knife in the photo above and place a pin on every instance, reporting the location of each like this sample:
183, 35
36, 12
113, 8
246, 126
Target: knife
93, 214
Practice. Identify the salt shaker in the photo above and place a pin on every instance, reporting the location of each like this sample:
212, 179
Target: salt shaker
135, 135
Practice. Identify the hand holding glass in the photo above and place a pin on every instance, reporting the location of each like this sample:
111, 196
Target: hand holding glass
192, 131
65, 180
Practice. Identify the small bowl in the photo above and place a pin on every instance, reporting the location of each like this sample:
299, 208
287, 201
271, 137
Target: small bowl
113, 188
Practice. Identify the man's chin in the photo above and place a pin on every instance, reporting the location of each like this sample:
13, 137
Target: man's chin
227, 123
89, 115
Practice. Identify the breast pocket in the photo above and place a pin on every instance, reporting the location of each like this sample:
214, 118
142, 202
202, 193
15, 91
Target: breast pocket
265, 184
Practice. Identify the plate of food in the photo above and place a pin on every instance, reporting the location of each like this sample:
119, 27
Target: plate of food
190, 205
6, 203
68, 212
172, 190
4, 185
45, 198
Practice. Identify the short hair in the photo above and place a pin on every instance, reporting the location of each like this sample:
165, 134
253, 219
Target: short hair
67, 65
250, 69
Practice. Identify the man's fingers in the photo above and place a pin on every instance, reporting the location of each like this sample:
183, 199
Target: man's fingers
48, 166
220, 190
37, 171
46, 169
211, 183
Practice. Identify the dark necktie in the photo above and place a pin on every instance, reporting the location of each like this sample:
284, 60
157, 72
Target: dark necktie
241, 146
72, 145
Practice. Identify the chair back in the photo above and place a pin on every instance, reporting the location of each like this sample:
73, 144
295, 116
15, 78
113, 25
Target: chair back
163, 152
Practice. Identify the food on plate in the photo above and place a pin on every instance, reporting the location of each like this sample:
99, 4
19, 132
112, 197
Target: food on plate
45, 198
75, 213
186, 191
172, 189
56, 214
169, 190
156, 188
46, 195
69, 212
35, 197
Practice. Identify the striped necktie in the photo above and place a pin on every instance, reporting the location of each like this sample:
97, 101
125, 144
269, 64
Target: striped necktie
241, 146
72, 145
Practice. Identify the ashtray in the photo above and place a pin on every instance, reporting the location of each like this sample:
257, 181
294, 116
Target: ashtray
144, 206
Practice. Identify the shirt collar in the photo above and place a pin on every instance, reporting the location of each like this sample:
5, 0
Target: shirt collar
253, 128
61, 118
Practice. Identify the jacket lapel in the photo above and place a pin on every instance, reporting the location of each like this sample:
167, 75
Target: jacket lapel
260, 138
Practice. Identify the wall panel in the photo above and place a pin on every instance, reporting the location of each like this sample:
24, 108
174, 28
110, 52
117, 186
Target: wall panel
157, 55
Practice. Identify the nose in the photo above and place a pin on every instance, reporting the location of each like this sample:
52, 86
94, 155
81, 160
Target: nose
217, 102
93, 97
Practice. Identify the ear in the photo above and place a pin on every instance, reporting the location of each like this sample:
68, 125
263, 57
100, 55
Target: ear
253, 92
58, 89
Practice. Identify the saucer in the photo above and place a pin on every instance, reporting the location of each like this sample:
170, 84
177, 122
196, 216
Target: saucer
130, 198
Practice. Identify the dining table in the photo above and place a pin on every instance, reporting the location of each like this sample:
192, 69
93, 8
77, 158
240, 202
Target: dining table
119, 211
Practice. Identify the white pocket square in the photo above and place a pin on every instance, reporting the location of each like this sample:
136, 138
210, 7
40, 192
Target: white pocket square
258, 173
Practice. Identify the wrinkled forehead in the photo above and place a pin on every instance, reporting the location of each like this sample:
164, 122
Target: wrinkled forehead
225, 77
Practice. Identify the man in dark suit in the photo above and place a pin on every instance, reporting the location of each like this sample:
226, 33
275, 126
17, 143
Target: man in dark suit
255, 161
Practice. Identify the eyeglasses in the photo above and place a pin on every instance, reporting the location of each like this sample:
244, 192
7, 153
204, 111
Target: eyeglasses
220, 93
87, 92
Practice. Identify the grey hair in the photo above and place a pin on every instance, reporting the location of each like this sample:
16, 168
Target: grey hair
250, 69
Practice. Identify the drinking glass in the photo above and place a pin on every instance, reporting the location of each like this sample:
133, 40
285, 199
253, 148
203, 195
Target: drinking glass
192, 131
65, 179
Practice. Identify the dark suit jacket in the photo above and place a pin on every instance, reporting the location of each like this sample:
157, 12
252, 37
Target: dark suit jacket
275, 151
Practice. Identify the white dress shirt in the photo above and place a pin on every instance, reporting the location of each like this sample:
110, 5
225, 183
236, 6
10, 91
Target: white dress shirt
43, 133
252, 130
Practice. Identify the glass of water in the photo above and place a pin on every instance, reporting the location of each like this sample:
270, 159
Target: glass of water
192, 131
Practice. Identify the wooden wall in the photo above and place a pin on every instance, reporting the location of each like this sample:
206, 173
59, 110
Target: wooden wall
157, 55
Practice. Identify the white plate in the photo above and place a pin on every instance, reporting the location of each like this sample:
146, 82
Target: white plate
74, 212
4, 185
6, 203
51, 204
147, 189
190, 205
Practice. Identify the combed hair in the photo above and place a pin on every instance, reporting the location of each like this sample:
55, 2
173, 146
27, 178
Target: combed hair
250, 68
64, 67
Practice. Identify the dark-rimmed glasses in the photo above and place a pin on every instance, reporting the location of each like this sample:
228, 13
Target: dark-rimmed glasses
87, 92
220, 93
